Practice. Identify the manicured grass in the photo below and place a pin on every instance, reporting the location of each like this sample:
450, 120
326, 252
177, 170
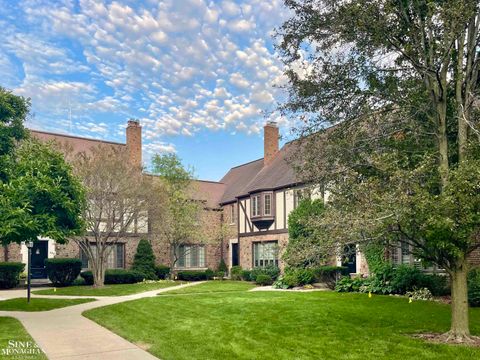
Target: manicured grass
38, 304
284, 325
108, 290
212, 286
12, 333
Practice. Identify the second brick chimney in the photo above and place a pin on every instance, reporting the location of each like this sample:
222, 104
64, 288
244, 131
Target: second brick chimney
134, 143
270, 142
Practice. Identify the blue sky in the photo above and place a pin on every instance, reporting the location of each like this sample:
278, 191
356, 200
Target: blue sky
201, 76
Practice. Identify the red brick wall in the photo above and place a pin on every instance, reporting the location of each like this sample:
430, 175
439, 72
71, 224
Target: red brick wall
14, 254
246, 248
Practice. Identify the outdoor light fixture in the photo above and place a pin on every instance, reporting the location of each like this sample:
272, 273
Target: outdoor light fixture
29, 245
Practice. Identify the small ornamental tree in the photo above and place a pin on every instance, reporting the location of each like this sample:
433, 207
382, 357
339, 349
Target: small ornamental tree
302, 249
144, 260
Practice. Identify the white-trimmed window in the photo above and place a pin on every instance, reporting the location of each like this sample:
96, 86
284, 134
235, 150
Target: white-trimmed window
190, 256
265, 253
267, 208
256, 205
115, 257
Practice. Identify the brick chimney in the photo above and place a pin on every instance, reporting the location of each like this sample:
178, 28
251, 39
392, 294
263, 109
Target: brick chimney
270, 142
134, 142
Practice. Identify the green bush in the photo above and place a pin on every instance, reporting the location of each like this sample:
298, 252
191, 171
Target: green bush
115, 276
219, 275
263, 280
10, 274
347, 284
236, 272
407, 278
222, 267
329, 274
144, 260
162, 271
62, 272
474, 288
191, 275
246, 275
437, 284
272, 271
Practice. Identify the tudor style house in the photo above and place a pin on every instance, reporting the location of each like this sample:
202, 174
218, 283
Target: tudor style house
257, 201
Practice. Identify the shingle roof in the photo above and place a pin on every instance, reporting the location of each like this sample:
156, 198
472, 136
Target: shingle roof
254, 176
209, 191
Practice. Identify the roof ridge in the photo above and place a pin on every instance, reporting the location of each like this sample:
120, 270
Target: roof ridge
234, 167
77, 137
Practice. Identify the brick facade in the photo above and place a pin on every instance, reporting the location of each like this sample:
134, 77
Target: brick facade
246, 248
12, 253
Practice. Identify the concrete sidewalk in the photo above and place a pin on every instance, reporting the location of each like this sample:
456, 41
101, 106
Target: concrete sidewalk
65, 334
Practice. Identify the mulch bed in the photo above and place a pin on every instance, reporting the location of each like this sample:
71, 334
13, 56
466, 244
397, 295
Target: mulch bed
442, 339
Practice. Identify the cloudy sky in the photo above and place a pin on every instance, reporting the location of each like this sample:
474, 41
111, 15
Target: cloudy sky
201, 76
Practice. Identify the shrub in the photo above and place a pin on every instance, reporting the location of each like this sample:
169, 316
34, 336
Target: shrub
272, 271
115, 276
144, 260
236, 272
222, 267
263, 279
191, 275
474, 288
347, 284
304, 276
407, 278
162, 271
246, 275
219, 275
437, 284
10, 274
62, 272
329, 274
420, 294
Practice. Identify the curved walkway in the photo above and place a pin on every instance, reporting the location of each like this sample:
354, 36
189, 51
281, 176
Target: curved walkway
65, 334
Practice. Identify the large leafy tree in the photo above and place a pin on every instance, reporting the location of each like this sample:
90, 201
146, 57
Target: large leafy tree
399, 79
39, 196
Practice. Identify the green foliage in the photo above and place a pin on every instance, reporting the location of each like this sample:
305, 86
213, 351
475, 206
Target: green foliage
246, 275
347, 284
375, 255
144, 260
191, 275
63, 271
162, 271
420, 294
300, 250
329, 274
263, 280
222, 267
272, 271
41, 197
474, 288
236, 272
10, 274
115, 276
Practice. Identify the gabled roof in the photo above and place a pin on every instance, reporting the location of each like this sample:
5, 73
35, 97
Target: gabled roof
254, 176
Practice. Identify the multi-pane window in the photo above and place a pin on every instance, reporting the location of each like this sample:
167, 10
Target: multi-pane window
267, 209
265, 253
256, 205
115, 258
190, 256
232, 214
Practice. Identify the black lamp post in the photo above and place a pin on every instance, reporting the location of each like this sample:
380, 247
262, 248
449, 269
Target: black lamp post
29, 245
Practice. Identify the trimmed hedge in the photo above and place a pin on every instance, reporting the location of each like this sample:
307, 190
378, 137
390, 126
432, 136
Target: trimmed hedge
192, 275
236, 272
62, 272
115, 276
10, 274
162, 271
263, 280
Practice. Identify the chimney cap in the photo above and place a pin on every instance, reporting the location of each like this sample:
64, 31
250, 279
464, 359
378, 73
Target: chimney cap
133, 122
271, 123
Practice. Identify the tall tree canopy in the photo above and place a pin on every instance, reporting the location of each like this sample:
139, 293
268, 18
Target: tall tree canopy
399, 80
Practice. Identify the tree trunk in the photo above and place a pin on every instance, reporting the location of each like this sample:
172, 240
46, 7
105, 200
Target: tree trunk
459, 328
442, 142
5, 253
98, 271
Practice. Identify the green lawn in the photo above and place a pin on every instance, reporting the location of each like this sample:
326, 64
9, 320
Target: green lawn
212, 286
281, 325
38, 304
108, 290
12, 336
